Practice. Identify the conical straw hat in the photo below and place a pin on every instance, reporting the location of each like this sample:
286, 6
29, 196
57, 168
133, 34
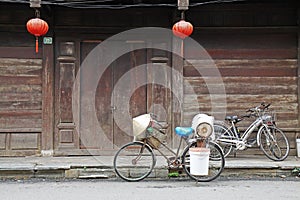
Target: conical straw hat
140, 123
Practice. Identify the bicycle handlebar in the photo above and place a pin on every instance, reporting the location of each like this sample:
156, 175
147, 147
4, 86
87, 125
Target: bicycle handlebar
267, 106
259, 108
248, 116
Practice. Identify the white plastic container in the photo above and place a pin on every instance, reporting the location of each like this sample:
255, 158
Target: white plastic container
298, 147
199, 159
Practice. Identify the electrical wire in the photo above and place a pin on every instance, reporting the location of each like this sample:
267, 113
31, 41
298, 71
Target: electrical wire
123, 6
62, 2
14, 1
118, 4
114, 4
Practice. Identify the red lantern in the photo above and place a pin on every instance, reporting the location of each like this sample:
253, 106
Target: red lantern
182, 29
37, 27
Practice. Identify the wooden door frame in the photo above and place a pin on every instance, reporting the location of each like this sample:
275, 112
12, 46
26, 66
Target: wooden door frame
47, 142
73, 148
66, 139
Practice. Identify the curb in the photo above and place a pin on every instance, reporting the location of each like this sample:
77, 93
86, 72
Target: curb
107, 173
101, 168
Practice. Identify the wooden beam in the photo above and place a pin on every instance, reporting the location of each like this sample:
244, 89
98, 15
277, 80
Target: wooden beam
19, 52
177, 84
298, 72
48, 98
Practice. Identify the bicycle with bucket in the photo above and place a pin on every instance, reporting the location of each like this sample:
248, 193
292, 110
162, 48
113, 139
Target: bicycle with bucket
271, 140
136, 160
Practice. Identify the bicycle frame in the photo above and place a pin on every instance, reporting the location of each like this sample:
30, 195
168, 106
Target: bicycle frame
176, 154
240, 142
267, 136
135, 160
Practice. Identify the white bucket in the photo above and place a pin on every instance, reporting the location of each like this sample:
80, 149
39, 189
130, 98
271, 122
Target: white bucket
199, 158
298, 147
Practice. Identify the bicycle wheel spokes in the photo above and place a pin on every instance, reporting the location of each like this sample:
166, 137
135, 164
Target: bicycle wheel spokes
222, 132
134, 161
274, 143
215, 165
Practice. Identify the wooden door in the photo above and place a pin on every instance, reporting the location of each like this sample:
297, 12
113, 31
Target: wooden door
129, 72
112, 135
86, 140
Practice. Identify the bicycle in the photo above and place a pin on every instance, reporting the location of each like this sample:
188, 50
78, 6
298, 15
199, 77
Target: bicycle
136, 160
271, 140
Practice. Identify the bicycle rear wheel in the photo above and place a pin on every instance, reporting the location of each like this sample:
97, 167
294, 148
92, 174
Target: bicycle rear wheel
134, 161
274, 143
215, 166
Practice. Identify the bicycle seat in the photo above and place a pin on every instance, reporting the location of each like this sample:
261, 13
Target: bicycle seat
184, 131
233, 119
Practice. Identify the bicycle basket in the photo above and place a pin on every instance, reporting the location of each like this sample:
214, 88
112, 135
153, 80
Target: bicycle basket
153, 142
146, 128
156, 137
269, 117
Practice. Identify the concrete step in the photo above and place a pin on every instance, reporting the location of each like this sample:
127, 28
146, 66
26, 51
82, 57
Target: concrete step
77, 167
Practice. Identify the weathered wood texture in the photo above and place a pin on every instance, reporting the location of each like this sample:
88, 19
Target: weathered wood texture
247, 83
119, 18
255, 50
20, 86
48, 99
90, 138
20, 105
273, 81
245, 14
66, 136
256, 54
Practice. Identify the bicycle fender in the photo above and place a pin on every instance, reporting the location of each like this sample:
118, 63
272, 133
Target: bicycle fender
258, 134
211, 142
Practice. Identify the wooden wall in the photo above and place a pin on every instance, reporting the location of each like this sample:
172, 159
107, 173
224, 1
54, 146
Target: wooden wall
254, 48
20, 85
257, 57
20, 105
252, 74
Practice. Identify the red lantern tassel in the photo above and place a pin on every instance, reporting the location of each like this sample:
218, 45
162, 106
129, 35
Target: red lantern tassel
36, 45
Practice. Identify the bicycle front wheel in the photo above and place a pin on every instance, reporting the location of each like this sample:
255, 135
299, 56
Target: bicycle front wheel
274, 143
134, 161
222, 132
216, 163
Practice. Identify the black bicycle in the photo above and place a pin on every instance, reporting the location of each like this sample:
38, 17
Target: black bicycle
136, 160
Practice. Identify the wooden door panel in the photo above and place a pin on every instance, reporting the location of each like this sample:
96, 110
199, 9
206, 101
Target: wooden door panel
90, 138
127, 66
66, 136
67, 76
103, 108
